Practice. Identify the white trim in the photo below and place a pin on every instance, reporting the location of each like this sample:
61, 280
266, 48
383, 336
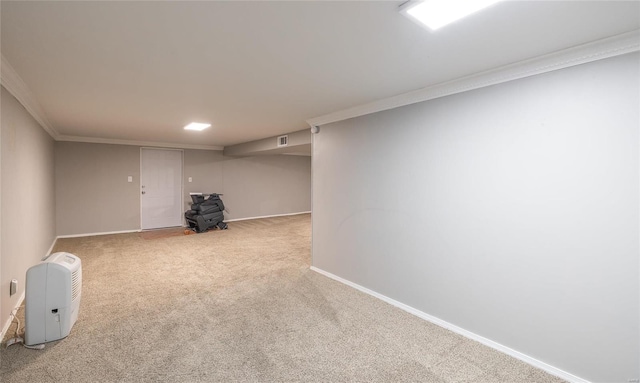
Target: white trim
6, 326
267, 216
313, 159
140, 230
19, 89
458, 330
182, 219
597, 50
10, 79
97, 140
101, 233
162, 228
50, 248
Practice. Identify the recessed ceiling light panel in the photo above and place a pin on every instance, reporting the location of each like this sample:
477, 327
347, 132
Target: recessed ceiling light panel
437, 13
197, 126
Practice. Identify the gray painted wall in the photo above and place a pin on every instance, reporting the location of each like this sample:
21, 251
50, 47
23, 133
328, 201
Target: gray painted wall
298, 142
27, 229
267, 185
510, 211
205, 169
252, 186
93, 195
92, 192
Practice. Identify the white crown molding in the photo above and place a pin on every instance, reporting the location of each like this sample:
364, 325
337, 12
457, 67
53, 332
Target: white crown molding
581, 54
97, 140
17, 87
10, 79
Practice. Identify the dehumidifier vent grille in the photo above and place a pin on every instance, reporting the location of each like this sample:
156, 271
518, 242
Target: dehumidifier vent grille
75, 284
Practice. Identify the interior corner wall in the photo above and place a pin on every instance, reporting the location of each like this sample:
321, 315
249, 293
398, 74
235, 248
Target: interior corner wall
251, 186
266, 185
93, 195
510, 211
27, 228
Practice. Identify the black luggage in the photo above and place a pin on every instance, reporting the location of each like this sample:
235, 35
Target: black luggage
210, 204
206, 212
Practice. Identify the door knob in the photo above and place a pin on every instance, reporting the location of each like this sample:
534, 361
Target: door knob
144, 192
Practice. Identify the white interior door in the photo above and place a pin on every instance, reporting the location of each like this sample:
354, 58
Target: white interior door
160, 188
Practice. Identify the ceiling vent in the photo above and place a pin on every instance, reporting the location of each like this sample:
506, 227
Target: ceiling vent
283, 140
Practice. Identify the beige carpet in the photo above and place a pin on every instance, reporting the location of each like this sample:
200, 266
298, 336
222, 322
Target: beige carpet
164, 233
241, 305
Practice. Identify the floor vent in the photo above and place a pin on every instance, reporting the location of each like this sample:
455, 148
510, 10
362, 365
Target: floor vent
283, 140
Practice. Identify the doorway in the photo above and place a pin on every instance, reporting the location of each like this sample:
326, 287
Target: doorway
160, 188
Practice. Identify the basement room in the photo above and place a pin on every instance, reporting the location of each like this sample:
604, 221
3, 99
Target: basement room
320, 191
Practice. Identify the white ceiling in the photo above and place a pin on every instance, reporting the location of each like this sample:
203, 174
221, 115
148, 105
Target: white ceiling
140, 71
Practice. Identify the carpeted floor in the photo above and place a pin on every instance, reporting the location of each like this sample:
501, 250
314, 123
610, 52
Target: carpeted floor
164, 233
241, 305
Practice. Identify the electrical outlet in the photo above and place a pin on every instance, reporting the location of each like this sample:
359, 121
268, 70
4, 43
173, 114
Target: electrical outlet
13, 287
190, 179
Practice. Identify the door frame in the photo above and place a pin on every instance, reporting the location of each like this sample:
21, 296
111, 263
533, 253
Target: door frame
181, 180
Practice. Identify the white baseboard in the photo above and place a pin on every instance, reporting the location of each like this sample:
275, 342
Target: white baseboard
458, 330
267, 216
50, 248
184, 225
102, 233
6, 326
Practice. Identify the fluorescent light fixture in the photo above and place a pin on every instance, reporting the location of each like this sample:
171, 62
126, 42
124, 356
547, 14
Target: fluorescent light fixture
438, 13
197, 126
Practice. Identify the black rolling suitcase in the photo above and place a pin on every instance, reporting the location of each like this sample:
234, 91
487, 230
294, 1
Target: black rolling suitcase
206, 212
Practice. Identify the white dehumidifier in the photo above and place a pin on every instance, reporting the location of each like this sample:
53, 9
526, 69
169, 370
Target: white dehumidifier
52, 295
